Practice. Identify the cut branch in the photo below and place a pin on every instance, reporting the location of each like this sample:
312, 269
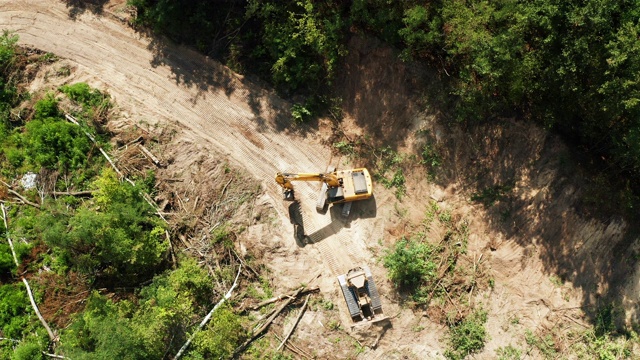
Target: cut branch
22, 198
35, 307
294, 348
54, 355
285, 296
149, 155
6, 229
73, 193
268, 322
9, 339
208, 317
304, 307
73, 120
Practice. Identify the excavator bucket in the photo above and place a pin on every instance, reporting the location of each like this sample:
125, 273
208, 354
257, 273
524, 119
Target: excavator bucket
288, 195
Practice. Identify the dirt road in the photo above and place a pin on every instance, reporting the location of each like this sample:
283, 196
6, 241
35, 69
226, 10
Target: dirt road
234, 118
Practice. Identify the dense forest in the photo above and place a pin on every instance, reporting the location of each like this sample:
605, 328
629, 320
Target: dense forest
571, 66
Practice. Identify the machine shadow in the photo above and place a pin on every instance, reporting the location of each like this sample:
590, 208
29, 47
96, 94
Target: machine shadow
363, 209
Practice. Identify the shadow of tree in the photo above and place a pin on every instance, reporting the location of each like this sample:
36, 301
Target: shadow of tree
380, 92
79, 7
539, 194
194, 70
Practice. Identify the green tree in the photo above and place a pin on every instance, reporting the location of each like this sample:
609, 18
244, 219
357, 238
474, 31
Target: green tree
120, 238
302, 41
170, 305
14, 316
102, 331
222, 336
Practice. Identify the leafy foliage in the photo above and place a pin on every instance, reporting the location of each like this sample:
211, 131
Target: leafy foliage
120, 238
221, 337
468, 336
28, 351
295, 44
411, 263
13, 310
84, 94
155, 325
8, 91
302, 40
102, 332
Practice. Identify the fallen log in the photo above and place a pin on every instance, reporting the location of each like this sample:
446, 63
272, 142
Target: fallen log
294, 349
54, 355
258, 333
73, 193
284, 296
6, 229
52, 336
295, 323
22, 198
148, 154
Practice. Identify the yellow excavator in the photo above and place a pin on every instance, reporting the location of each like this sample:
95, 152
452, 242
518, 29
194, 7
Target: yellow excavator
343, 186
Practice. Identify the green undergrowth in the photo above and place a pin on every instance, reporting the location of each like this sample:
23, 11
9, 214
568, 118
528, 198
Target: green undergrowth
99, 263
431, 267
388, 166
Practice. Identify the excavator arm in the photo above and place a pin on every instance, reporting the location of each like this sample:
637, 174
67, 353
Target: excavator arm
285, 181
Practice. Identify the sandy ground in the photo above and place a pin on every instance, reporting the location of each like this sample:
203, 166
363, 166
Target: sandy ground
225, 115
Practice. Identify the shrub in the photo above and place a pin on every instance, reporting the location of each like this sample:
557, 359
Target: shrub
410, 263
55, 144
13, 310
84, 94
468, 336
222, 336
8, 43
121, 238
47, 108
101, 332
28, 351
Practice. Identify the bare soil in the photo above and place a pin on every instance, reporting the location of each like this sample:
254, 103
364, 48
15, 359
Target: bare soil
553, 261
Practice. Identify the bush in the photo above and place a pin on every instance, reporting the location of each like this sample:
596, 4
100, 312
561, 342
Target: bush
56, 144
84, 94
102, 332
121, 238
13, 310
170, 305
222, 336
410, 263
28, 351
467, 337
47, 108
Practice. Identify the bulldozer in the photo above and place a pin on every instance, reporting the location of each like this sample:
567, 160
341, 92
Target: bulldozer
361, 295
343, 186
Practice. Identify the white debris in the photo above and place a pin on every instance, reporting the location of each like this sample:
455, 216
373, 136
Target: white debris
28, 181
